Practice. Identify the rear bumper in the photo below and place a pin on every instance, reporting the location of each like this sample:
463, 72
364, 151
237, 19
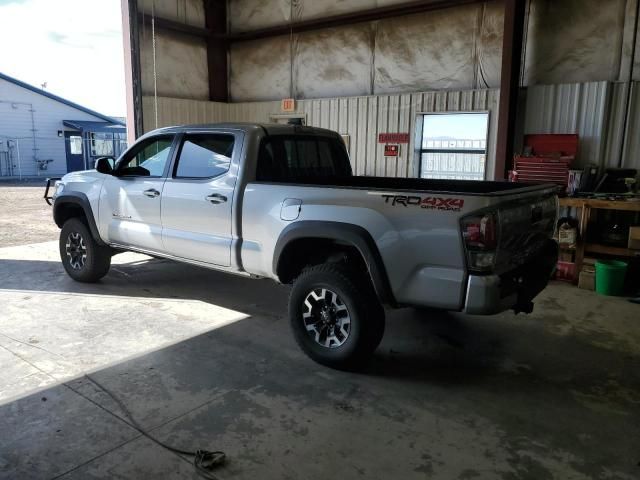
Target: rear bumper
489, 294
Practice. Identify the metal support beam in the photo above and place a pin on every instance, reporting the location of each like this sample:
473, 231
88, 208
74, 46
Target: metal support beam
514, 15
173, 26
349, 19
133, 80
217, 49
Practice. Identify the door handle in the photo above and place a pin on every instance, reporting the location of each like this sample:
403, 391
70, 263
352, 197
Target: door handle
152, 192
216, 198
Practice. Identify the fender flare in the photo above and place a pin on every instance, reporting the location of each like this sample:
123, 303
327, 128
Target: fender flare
344, 232
81, 200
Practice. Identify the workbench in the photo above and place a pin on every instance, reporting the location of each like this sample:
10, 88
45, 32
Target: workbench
586, 205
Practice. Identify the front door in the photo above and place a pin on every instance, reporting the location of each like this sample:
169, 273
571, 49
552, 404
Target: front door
198, 197
130, 199
74, 149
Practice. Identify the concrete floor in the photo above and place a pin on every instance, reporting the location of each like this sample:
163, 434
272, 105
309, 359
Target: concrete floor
205, 360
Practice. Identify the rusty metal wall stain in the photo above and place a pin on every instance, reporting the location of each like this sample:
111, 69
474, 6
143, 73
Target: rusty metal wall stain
575, 41
456, 48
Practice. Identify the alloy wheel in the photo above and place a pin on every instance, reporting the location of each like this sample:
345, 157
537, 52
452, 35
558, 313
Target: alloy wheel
326, 318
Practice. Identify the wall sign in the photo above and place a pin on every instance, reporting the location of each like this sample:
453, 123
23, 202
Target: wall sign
288, 105
393, 138
391, 150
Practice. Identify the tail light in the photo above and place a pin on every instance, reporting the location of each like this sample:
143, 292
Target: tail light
480, 235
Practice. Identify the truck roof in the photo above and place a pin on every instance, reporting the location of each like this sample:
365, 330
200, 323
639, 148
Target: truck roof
269, 128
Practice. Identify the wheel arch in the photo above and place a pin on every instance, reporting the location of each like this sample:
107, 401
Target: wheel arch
334, 237
76, 204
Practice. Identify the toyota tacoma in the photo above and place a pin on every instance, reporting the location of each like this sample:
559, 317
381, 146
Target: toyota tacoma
281, 202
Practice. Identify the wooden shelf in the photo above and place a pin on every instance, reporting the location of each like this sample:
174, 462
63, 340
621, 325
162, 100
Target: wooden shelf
608, 250
586, 206
627, 205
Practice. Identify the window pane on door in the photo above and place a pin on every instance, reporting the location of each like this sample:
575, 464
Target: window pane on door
147, 159
205, 156
75, 145
154, 156
454, 146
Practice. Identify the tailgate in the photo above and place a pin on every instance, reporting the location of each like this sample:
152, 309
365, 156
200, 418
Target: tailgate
525, 223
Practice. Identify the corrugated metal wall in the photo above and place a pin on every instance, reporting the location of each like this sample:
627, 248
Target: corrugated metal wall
631, 158
571, 108
362, 118
596, 112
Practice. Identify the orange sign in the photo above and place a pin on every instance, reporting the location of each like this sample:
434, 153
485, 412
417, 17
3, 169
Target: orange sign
288, 105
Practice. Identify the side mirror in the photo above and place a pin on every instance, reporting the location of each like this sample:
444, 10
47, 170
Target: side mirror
105, 165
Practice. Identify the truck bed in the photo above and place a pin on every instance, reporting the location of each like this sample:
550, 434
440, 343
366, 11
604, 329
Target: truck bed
465, 187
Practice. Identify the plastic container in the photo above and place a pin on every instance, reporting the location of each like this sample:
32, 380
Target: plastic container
610, 277
565, 271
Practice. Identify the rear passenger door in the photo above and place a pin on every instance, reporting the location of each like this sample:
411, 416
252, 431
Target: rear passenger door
197, 199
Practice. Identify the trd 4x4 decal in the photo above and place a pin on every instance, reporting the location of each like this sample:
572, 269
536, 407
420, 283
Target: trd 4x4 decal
431, 203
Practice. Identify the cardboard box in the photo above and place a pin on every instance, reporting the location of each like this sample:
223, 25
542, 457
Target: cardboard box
587, 280
634, 238
565, 256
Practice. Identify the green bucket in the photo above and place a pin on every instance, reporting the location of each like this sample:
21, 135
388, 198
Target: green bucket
610, 277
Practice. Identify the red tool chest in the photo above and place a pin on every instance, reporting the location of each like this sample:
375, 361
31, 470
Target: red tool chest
550, 159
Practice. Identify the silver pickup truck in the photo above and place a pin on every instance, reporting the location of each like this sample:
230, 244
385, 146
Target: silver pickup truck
280, 201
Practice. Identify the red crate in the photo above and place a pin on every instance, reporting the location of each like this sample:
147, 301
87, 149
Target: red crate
545, 145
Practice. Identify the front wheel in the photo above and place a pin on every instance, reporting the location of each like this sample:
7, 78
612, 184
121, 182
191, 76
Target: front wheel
82, 257
335, 315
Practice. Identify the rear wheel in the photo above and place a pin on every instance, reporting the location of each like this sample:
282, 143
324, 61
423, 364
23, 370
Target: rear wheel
83, 259
335, 315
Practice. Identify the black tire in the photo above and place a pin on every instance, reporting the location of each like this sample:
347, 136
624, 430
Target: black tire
363, 309
83, 259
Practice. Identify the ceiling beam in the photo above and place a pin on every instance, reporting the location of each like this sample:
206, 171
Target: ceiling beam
343, 19
351, 18
173, 26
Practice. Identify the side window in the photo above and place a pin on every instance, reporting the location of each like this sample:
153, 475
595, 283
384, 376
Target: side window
301, 159
204, 156
148, 159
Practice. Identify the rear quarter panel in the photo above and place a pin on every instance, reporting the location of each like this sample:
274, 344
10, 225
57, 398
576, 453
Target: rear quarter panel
419, 240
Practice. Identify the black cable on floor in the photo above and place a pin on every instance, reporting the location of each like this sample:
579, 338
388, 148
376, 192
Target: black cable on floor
203, 460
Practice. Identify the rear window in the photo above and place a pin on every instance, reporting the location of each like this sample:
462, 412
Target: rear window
298, 158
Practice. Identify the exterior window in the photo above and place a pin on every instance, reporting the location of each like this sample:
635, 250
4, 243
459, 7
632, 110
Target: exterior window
75, 145
102, 144
148, 159
120, 140
454, 146
298, 158
205, 156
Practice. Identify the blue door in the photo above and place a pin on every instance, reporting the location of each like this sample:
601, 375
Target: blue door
75, 149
